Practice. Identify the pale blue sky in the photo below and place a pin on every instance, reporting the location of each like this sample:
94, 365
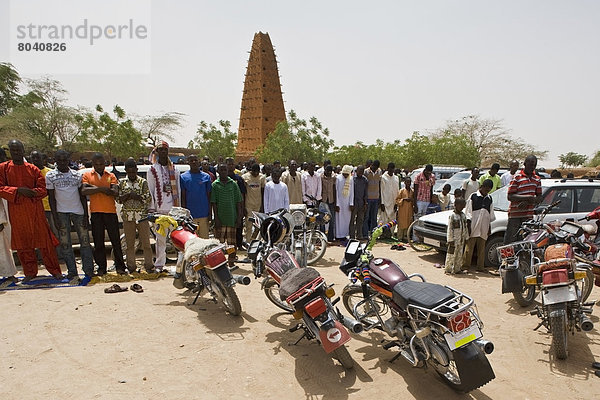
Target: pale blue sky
379, 69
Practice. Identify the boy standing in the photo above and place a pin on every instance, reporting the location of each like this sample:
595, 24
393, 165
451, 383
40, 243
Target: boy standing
457, 234
276, 193
135, 197
480, 213
101, 187
226, 200
195, 195
255, 188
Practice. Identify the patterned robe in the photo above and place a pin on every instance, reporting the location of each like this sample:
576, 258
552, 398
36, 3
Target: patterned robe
457, 233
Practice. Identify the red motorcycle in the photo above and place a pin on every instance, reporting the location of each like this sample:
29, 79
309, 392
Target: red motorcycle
201, 263
302, 291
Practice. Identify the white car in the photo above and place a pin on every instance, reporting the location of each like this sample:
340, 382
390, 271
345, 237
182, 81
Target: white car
577, 196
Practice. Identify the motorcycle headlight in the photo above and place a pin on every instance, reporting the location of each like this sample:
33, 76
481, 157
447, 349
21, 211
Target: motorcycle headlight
298, 218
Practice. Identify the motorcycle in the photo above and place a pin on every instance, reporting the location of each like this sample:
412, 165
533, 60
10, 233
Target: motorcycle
302, 290
431, 324
520, 259
562, 310
201, 263
517, 259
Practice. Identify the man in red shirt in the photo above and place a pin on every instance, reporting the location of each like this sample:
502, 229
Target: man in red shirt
23, 187
423, 189
524, 192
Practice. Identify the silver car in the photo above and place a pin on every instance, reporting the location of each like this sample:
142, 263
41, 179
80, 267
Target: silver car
578, 197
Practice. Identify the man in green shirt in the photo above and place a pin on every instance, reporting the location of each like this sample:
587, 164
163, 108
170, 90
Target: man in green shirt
226, 200
493, 176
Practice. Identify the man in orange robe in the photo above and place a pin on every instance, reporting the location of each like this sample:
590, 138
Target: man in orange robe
23, 186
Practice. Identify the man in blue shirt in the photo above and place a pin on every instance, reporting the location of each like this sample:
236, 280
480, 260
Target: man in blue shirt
195, 195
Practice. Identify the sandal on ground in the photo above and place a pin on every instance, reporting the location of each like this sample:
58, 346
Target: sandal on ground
136, 288
596, 365
115, 289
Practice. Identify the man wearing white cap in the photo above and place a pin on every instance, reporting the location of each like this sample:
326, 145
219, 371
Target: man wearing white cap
344, 186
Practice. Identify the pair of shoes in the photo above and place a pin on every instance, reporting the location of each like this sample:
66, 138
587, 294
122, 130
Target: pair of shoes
596, 365
58, 277
115, 289
437, 265
136, 288
74, 280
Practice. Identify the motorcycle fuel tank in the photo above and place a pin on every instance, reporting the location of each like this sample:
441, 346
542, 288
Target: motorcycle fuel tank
386, 273
179, 237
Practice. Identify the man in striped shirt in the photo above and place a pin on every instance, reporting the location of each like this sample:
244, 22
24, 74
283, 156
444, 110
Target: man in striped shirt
524, 192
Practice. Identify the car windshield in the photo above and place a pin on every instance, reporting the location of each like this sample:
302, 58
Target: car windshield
455, 181
500, 199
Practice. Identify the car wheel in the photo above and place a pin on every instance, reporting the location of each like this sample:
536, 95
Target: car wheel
491, 255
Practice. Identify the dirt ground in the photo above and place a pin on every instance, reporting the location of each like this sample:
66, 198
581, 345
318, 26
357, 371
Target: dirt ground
80, 343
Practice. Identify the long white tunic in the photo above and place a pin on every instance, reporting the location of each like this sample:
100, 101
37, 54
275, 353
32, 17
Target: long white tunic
342, 217
7, 263
390, 186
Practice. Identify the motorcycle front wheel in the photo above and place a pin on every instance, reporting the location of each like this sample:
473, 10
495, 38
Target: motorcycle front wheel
365, 312
343, 356
416, 245
558, 328
271, 288
527, 294
316, 247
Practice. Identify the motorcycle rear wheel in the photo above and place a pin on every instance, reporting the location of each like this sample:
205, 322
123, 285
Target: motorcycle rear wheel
365, 313
467, 369
558, 328
343, 356
587, 285
271, 288
527, 295
229, 299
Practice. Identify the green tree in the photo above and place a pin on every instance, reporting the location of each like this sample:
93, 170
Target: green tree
9, 88
453, 149
572, 159
215, 141
114, 136
156, 127
41, 118
296, 139
595, 161
491, 139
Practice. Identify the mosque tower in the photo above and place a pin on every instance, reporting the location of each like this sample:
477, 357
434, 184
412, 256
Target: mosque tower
262, 102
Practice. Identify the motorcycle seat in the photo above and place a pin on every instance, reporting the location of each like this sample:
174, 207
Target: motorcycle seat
294, 279
423, 294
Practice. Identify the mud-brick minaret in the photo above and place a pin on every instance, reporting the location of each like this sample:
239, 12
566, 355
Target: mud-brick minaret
262, 103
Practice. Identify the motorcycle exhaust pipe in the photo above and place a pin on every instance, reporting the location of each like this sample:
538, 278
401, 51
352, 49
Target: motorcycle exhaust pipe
586, 324
485, 345
353, 325
242, 279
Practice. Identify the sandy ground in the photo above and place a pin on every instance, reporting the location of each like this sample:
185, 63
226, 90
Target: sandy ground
80, 343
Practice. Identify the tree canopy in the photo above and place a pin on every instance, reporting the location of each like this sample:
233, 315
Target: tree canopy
296, 139
572, 159
214, 141
115, 136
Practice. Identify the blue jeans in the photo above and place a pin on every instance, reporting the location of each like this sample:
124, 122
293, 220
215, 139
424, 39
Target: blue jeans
64, 235
371, 218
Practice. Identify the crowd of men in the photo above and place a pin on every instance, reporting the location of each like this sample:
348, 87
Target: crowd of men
40, 204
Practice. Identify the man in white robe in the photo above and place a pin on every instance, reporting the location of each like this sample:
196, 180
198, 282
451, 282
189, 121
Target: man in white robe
7, 263
390, 186
344, 186
164, 186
